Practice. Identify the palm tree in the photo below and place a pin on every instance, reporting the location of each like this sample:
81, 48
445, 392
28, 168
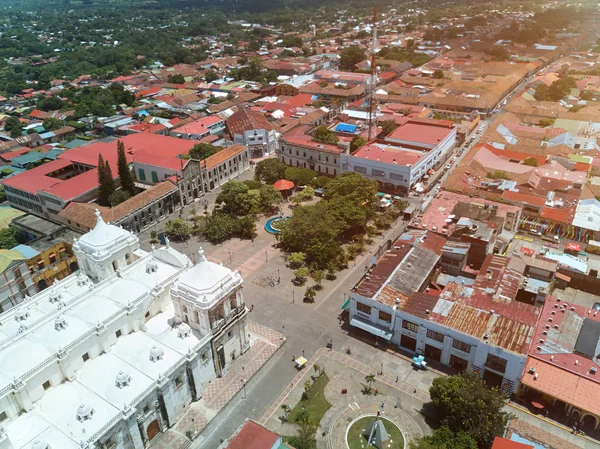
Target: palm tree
317, 369
370, 378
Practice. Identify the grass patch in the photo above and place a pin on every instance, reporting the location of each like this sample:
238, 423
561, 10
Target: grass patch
316, 404
356, 440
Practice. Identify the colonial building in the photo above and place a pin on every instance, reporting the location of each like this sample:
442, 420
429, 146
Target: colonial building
112, 356
251, 128
405, 156
478, 328
298, 149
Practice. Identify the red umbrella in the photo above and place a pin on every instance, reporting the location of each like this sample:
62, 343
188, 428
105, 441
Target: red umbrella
283, 184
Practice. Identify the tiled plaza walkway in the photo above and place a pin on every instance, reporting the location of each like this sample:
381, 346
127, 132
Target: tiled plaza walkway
264, 342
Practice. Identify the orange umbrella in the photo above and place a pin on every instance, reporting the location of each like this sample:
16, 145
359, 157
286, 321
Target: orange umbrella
283, 184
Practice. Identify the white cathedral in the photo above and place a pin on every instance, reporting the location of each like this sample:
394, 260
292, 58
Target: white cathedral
111, 356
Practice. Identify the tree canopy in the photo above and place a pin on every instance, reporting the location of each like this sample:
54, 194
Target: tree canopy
125, 176
270, 170
325, 135
240, 200
202, 150
300, 176
465, 404
444, 438
8, 238
106, 182
350, 56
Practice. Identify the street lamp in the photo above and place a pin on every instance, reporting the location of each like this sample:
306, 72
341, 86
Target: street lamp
243, 381
194, 425
266, 259
382, 368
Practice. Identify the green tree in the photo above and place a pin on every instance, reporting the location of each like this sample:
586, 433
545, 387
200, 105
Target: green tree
541, 92
8, 238
176, 78
323, 134
118, 197
202, 150
50, 104
2, 193
301, 275
127, 183
296, 259
238, 202
357, 142
559, 89
300, 176
305, 436
354, 186
269, 197
13, 126
388, 127
498, 53
178, 229
438, 74
106, 182
309, 295
369, 379
465, 404
51, 123
211, 76
498, 174
350, 56
531, 161
444, 438
269, 170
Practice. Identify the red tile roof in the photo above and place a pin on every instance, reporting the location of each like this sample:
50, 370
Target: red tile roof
423, 131
245, 120
503, 443
253, 436
388, 154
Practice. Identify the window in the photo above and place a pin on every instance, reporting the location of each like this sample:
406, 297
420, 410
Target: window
229, 334
118, 333
146, 409
461, 346
363, 308
435, 335
46, 385
3, 416
141, 174
385, 316
155, 176
179, 381
496, 363
52, 257
85, 357
410, 326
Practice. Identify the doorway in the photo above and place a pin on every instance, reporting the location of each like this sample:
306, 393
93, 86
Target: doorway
153, 430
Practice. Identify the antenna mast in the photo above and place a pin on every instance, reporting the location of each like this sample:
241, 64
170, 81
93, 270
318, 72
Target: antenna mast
372, 84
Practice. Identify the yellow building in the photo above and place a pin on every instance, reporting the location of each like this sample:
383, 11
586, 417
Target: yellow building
56, 262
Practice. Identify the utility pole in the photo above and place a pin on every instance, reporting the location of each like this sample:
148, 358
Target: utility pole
372, 83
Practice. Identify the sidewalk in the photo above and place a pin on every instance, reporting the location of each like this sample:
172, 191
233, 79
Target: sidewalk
264, 343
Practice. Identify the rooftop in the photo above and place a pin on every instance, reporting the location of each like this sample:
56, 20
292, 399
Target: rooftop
298, 136
422, 132
253, 436
389, 154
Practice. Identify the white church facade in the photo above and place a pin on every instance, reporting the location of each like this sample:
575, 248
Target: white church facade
111, 356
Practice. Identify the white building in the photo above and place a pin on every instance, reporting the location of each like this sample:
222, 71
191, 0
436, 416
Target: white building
479, 327
406, 155
252, 129
110, 357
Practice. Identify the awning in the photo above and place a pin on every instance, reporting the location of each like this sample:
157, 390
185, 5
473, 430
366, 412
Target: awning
573, 246
372, 329
345, 305
301, 361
